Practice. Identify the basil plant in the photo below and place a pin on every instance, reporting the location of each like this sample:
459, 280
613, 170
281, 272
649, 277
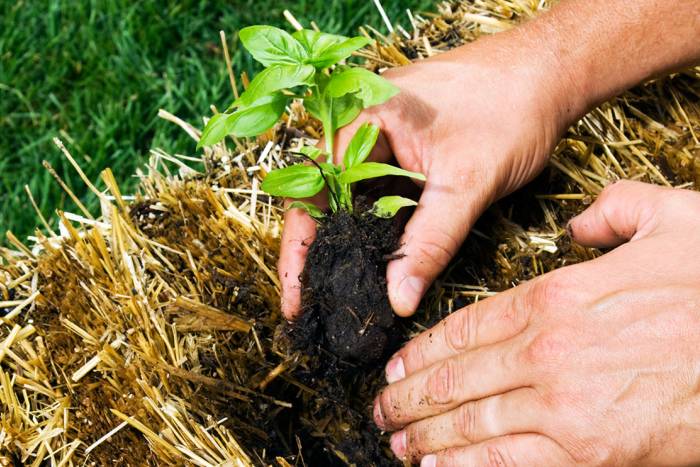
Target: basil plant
306, 65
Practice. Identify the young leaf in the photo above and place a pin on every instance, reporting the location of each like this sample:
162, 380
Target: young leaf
339, 112
311, 152
311, 209
340, 52
274, 78
270, 45
387, 206
215, 131
361, 145
296, 181
370, 88
328, 49
317, 43
345, 109
373, 170
258, 117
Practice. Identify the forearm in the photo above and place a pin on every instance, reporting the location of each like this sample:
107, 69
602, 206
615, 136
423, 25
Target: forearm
599, 48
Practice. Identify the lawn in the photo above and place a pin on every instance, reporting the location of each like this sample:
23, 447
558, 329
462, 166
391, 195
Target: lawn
95, 73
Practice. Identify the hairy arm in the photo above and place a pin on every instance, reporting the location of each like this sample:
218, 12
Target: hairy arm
607, 46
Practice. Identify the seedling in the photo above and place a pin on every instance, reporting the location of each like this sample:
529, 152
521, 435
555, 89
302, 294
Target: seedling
306, 65
303, 181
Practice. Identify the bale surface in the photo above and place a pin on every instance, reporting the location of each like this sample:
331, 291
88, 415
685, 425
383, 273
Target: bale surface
148, 334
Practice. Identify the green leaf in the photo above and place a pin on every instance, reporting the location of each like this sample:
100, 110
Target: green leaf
328, 49
311, 209
317, 43
340, 111
345, 109
311, 152
373, 170
361, 145
258, 117
388, 206
215, 130
339, 52
270, 45
296, 181
275, 78
334, 113
370, 88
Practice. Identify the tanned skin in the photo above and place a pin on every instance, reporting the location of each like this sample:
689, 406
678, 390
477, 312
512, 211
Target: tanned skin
592, 364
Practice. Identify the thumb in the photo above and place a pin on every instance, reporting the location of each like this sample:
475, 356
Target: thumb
431, 238
298, 233
624, 211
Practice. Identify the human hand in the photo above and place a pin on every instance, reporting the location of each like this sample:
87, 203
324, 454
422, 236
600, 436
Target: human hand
592, 364
479, 122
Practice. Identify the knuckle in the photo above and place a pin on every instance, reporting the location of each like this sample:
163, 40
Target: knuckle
561, 404
465, 421
413, 354
553, 402
513, 316
615, 188
390, 407
441, 384
556, 289
496, 455
417, 442
594, 452
436, 247
549, 348
461, 328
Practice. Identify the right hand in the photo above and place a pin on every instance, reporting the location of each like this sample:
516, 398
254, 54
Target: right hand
479, 122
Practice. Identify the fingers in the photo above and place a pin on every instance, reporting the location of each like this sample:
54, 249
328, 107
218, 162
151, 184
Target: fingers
506, 451
299, 231
483, 323
624, 211
432, 236
448, 384
518, 411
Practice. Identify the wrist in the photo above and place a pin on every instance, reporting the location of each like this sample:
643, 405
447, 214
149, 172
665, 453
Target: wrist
559, 68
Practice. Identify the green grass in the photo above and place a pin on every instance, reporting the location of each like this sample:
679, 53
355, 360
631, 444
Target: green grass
95, 73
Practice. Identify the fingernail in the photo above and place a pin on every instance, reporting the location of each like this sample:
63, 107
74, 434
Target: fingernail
377, 414
395, 370
398, 444
409, 294
429, 461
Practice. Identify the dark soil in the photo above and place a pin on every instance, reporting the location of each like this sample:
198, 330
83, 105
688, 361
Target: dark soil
347, 331
346, 310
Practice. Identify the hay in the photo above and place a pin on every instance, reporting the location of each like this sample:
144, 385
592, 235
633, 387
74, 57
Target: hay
146, 335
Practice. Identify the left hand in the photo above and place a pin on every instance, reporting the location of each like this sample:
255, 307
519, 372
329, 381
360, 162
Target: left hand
592, 364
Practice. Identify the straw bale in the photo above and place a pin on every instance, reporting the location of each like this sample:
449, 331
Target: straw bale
147, 334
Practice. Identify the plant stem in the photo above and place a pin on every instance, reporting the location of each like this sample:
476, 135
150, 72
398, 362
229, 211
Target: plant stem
329, 136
